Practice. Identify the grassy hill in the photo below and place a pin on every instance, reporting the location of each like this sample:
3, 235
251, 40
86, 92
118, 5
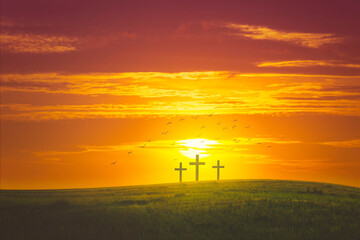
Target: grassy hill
238, 209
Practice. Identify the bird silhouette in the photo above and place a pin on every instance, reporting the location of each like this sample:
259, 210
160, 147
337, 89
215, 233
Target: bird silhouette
218, 123
129, 152
202, 127
210, 115
182, 119
199, 135
148, 140
143, 146
248, 126
114, 162
202, 141
195, 117
164, 133
235, 120
234, 126
224, 128
268, 146
168, 123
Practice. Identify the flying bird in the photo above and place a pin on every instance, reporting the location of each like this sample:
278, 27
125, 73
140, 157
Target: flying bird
233, 127
268, 146
210, 115
148, 140
182, 119
114, 162
199, 135
143, 146
168, 123
218, 123
248, 126
224, 128
202, 141
165, 132
129, 152
235, 120
195, 117
202, 127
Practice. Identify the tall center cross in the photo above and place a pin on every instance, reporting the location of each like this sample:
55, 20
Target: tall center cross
197, 163
218, 169
180, 169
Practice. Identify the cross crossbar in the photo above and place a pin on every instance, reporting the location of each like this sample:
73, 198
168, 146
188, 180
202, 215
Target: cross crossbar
197, 163
218, 169
180, 169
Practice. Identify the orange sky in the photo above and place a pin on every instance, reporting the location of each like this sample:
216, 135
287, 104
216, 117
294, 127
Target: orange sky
272, 90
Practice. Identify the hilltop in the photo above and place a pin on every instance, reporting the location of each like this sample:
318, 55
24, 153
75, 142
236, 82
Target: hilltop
236, 209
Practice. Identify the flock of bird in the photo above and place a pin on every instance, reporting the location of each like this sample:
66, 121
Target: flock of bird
235, 140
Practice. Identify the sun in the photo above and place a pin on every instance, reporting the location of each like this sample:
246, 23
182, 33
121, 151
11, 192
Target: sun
192, 147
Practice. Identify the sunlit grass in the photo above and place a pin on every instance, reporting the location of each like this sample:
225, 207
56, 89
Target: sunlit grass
257, 209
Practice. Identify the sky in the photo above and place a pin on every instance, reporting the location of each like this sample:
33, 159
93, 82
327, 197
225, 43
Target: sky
115, 93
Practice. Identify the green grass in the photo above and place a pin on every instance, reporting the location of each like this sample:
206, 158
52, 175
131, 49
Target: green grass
239, 209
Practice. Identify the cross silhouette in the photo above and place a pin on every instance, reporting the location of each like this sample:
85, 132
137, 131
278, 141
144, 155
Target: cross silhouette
218, 169
180, 169
197, 163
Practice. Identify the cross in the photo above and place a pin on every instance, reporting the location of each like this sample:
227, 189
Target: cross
180, 171
218, 169
197, 163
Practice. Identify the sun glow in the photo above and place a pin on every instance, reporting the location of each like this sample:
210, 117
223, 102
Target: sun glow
192, 147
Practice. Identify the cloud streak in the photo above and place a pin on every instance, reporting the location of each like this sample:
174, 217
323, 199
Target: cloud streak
37, 43
158, 93
311, 40
344, 144
307, 63
122, 84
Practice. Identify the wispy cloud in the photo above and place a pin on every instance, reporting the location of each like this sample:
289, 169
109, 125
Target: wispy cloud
5, 23
145, 84
312, 40
133, 110
83, 149
344, 144
209, 145
37, 43
324, 98
307, 63
157, 93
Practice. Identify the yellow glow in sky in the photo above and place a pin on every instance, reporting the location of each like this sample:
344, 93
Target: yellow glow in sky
196, 146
